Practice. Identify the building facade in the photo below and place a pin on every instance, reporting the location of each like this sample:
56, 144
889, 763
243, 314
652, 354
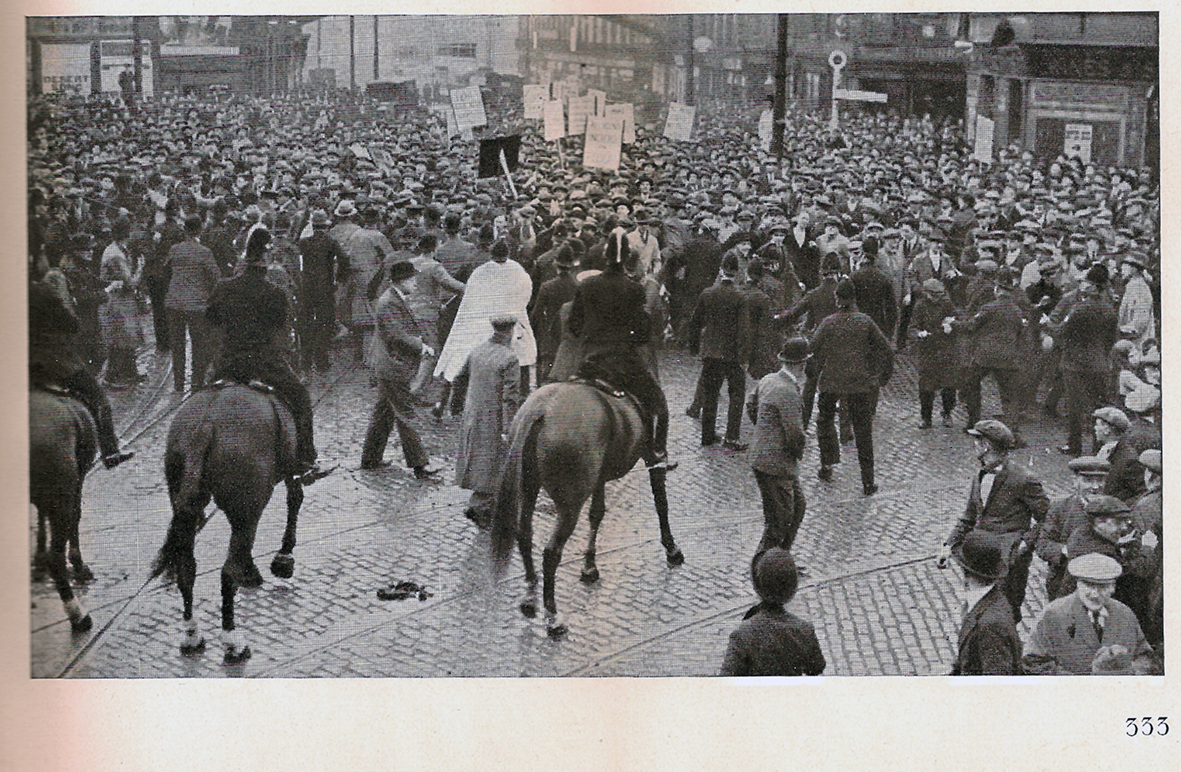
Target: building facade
436, 52
1082, 84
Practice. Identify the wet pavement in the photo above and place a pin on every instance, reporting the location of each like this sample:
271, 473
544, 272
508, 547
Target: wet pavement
870, 587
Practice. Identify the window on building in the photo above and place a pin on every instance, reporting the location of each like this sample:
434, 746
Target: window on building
459, 50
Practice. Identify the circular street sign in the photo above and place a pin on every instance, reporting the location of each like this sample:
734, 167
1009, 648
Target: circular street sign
837, 59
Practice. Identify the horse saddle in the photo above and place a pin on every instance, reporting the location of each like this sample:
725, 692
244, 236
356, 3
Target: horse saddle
604, 386
253, 384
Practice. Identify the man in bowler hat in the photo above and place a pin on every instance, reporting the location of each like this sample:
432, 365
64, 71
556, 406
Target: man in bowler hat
988, 641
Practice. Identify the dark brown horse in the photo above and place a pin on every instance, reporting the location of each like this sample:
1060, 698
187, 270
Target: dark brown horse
569, 438
62, 448
232, 445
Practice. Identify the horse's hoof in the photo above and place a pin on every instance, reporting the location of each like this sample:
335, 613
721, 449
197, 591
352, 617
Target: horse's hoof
283, 566
193, 649
236, 656
676, 557
82, 574
590, 575
251, 577
557, 631
82, 625
529, 608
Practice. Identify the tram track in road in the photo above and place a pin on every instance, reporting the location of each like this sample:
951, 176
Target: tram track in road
143, 409
123, 602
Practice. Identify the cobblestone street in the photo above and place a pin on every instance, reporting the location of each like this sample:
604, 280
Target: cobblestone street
871, 588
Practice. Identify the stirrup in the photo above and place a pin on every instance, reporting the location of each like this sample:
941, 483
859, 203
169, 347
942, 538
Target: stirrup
312, 474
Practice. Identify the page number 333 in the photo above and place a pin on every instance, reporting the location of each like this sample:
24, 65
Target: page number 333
1147, 726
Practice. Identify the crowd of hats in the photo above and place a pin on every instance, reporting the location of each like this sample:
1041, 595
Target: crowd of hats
254, 151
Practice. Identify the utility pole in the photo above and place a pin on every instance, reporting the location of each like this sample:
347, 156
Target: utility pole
690, 86
352, 53
375, 47
137, 55
779, 106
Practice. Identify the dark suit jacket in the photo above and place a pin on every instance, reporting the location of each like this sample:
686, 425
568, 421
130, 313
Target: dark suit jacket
720, 327
773, 643
609, 309
851, 354
997, 331
401, 338
875, 297
988, 643
1016, 505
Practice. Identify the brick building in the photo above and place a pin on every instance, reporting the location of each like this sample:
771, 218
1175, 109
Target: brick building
1087, 80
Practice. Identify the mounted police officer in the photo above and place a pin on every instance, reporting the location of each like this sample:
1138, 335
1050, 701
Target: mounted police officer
252, 315
608, 314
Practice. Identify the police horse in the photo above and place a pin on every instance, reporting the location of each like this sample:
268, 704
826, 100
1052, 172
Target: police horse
569, 438
232, 445
63, 445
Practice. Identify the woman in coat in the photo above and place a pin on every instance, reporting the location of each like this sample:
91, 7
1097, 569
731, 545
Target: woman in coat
119, 316
937, 350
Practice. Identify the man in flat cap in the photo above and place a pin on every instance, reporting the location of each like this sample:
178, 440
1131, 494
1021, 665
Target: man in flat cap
776, 410
1073, 629
1064, 516
997, 339
988, 641
1004, 499
1121, 448
1136, 308
1110, 530
1084, 327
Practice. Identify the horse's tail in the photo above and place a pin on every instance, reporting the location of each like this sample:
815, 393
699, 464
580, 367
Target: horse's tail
507, 508
183, 468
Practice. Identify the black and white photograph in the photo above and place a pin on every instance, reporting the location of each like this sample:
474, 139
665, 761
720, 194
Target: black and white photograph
922, 250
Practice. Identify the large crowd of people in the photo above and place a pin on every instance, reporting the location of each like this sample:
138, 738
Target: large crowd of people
882, 238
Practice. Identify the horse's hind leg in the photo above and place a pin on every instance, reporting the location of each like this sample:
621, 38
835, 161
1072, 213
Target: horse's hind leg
672, 552
528, 503
80, 620
236, 651
41, 559
598, 507
283, 565
192, 642
567, 519
81, 571
239, 566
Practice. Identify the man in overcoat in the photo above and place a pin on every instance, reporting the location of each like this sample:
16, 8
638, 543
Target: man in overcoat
491, 378
853, 360
720, 331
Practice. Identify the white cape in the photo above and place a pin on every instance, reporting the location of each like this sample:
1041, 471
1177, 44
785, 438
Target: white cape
493, 289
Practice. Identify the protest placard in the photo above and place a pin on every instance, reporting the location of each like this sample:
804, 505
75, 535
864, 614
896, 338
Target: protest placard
603, 143
679, 124
469, 107
983, 149
765, 130
535, 97
554, 121
627, 112
579, 109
